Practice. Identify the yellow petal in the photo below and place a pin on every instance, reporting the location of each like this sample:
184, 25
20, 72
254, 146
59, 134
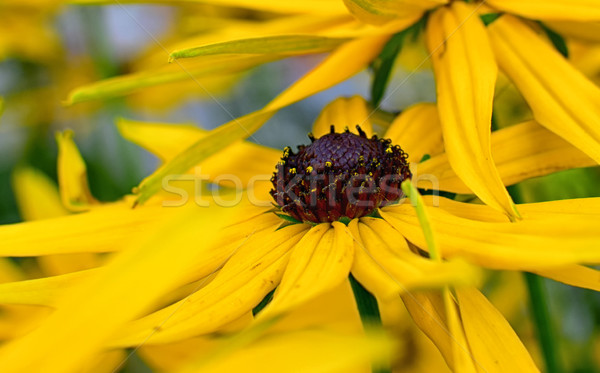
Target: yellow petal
344, 112
318, 263
301, 351
521, 152
379, 12
568, 10
343, 63
293, 6
495, 346
539, 241
465, 68
562, 99
574, 275
168, 140
72, 174
127, 287
36, 194
384, 264
588, 31
278, 44
254, 269
418, 131
42, 291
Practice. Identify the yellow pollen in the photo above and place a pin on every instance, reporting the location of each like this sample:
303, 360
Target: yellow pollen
292, 170
328, 164
309, 169
389, 150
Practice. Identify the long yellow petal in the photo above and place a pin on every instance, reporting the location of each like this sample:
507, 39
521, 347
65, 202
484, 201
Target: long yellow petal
379, 12
168, 140
72, 174
344, 112
253, 270
568, 10
301, 351
574, 275
562, 98
495, 346
539, 241
36, 194
292, 6
588, 31
465, 72
418, 131
317, 264
521, 152
82, 324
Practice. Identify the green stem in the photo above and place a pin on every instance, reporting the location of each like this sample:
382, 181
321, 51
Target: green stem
369, 313
541, 316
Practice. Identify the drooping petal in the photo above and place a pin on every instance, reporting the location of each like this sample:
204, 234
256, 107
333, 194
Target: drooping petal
495, 346
540, 241
254, 269
522, 151
72, 174
568, 10
418, 131
465, 72
314, 268
561, 98
379, 12
341, 113
79, 329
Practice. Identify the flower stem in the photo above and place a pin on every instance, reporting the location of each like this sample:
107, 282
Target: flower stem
541, 316
369, 313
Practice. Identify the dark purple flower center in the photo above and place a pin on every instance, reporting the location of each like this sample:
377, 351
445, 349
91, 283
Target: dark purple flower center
339, 175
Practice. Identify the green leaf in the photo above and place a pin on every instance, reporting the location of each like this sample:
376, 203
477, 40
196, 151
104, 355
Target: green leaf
487, 19
215, 141
382, 66
557, 40
280, 44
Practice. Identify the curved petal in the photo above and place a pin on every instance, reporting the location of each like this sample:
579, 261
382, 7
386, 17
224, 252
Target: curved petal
36, 194
72, 174
418, 131
314, 268
588, 31
495, 346
344, 112
521, 152
537, 242
562, 99
465, 73
254, 269
568, 10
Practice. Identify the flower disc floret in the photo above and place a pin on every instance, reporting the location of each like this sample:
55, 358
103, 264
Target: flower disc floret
339, 175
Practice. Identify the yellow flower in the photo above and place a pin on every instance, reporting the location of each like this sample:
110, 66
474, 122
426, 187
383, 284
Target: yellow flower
179, 273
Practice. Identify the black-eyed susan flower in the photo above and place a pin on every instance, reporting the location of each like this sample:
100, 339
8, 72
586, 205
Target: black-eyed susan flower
465, 52
221, 274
